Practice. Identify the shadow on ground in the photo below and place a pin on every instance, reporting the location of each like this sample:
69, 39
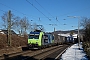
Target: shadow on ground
25, 48
20, 57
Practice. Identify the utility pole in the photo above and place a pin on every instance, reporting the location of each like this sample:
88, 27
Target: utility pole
78, 28
54, 34
78, 32
9, 28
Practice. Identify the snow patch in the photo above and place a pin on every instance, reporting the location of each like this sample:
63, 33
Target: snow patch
74, 53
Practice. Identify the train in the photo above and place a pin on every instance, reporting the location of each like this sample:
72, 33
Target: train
39, 39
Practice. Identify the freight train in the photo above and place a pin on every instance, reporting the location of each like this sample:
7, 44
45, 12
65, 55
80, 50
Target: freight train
38, 40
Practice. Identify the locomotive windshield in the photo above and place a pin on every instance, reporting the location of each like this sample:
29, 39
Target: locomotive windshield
34, 36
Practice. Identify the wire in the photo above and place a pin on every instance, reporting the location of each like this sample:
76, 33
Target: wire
43, 8
75, 11
38, 10
15, 10
12, 8
47, 12
2, 10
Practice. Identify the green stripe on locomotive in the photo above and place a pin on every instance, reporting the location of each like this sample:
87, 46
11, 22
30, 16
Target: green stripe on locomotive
35, 38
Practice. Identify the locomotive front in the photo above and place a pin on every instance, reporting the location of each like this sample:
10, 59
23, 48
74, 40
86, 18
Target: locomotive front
34, 39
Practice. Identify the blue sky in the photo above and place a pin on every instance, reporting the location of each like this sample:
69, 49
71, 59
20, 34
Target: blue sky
55, 10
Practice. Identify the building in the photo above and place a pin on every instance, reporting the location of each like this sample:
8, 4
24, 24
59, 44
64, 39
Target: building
6, 32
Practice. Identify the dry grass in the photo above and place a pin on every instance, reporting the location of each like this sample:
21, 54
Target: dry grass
16, 41
16, 44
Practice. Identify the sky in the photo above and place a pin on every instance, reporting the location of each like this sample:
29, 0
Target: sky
46, 12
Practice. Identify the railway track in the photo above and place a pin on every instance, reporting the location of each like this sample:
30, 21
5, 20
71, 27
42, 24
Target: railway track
5, 56
38, 54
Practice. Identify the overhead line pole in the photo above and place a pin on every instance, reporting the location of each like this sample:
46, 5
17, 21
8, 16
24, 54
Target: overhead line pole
78, 28
9, 28
78, 32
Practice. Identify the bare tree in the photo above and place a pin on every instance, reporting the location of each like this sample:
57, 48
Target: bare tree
86, 25
34, 26
25, 23
22, 25
5, 20
16, 24
19, 24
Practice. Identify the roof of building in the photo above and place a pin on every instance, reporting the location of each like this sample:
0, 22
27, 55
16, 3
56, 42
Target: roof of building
6, 31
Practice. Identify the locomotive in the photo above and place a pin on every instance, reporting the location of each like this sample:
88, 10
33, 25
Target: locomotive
40, 40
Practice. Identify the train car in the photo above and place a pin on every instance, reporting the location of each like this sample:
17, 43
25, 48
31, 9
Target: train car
59, 39
39, 40
50, 38
69, 39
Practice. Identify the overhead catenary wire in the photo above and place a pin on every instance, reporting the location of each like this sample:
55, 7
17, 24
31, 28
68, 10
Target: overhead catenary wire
75, 11
16, 10
2, 10
46, 11
12, 8
38, 10
44, 8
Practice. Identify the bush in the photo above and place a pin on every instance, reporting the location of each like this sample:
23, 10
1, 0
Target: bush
86, 46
